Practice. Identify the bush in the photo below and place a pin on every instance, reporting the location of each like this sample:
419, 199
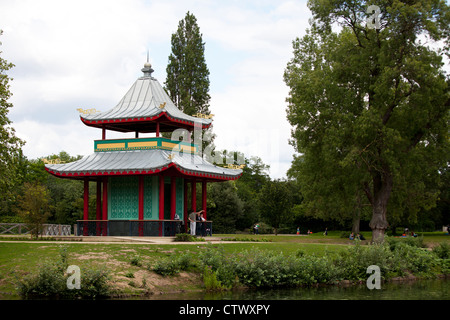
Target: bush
186, 237
169, 266
184, 261
211, 282
352, 263
51, 281
94, 283
442, 251
136, 261
258, 268
410, 241
166, 267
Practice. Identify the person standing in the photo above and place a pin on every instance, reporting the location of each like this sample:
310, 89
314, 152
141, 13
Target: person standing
193, 221
203, 225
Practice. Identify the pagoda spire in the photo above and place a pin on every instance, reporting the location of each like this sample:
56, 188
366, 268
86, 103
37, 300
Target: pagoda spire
147, 70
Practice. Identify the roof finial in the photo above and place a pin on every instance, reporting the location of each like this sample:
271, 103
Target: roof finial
147, 70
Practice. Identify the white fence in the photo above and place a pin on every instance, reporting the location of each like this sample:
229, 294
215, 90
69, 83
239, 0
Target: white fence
49, 229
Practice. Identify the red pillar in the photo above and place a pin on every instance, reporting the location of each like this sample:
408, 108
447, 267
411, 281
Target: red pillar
99, 201
86, 206
194, 195
161, 197
105, 198
141, 197
141, 205
157, 129
86, 199
103, 132
173, 198
161, 204
105, 207
98, 209
185, 204
204, 198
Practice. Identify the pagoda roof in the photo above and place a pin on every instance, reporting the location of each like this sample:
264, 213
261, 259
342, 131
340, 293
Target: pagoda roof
147, 162
145, 104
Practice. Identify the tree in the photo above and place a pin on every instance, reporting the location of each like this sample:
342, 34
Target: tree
225, 207
187, 81
275, 202
369, 105
34, 207
10, 145
254, 176
187, 74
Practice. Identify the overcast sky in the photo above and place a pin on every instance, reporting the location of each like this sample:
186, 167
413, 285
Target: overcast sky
87, 54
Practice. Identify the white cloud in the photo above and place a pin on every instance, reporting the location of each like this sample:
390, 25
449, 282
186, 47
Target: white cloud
88, 53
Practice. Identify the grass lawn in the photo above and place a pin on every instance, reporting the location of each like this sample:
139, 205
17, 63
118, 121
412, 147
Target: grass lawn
19, 258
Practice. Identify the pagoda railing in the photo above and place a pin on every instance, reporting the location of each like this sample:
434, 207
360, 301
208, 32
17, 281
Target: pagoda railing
136, 228
47, 229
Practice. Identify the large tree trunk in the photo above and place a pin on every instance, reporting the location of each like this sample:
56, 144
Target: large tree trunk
382, 187
355, 226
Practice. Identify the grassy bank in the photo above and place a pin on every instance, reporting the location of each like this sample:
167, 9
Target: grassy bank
137, 269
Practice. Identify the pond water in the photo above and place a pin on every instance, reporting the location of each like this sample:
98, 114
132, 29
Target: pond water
438, 289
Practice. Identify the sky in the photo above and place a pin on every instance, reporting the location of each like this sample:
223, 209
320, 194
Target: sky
87, 54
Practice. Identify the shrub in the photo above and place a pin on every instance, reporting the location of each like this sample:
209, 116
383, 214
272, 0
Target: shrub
51, 281
442, 251
211, 282
185, 261
186, 237
136, 261
223, 266
170, 266
410, 241
352, 264
166, 267
94, 284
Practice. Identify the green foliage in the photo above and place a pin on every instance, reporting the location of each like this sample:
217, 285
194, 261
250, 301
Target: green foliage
352, 264
248, 187
369, 110
260, 268
166, 267
187, 74
34, 207
211, 282
411, 241
169, 266
442, 250
275, 202
227, 207
136, 260
185, 237
50, 281
10, 145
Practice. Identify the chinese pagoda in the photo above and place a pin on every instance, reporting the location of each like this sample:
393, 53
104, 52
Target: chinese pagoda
143, 182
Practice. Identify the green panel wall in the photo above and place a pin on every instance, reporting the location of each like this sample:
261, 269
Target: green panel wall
123, 199
151, 198
180, 198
